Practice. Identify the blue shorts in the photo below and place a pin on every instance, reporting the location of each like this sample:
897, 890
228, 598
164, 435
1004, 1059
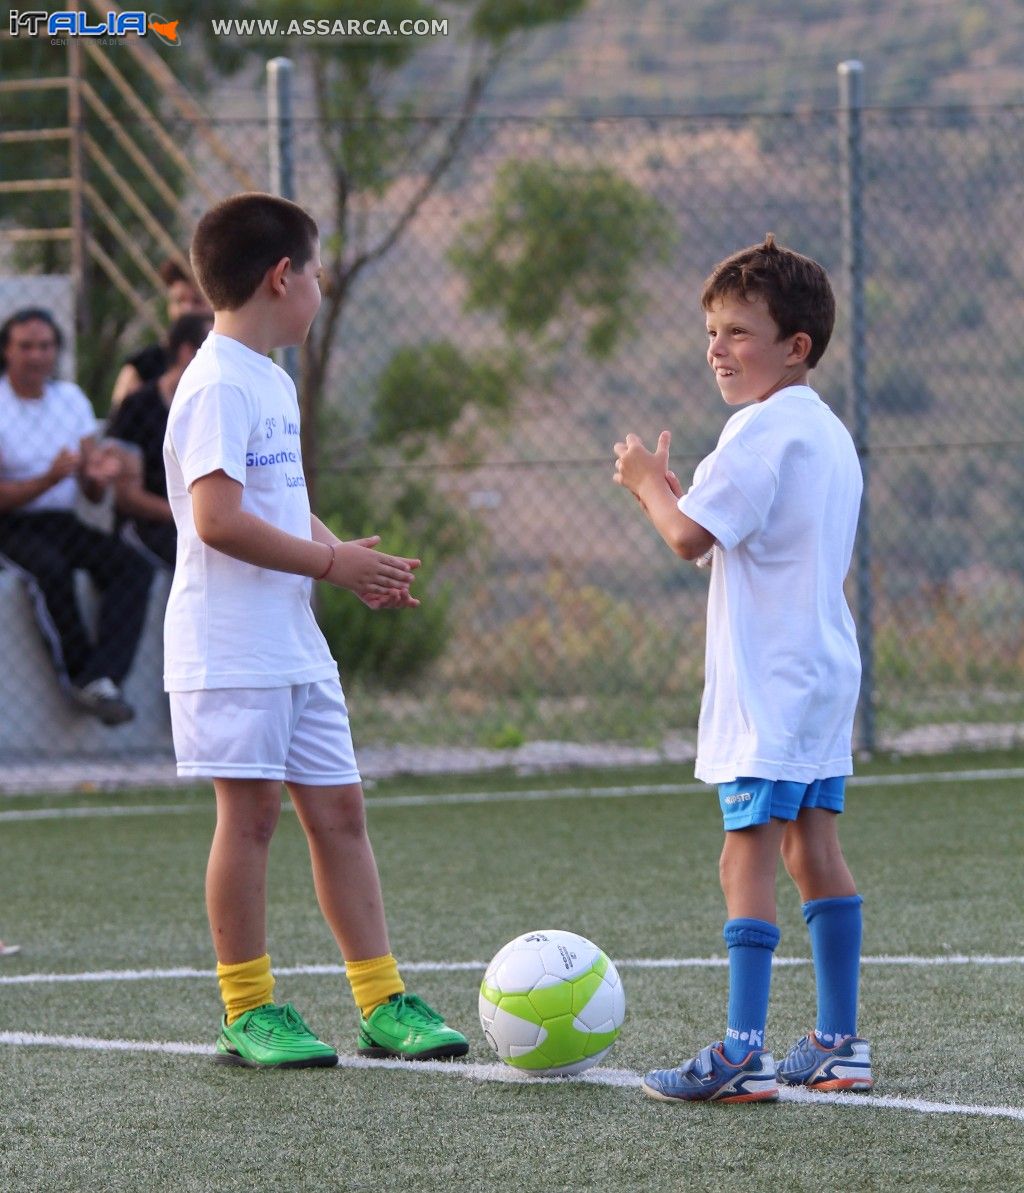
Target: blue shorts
746, 802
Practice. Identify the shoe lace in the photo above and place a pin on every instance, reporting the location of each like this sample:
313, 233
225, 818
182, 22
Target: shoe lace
286, 1016
411, 1009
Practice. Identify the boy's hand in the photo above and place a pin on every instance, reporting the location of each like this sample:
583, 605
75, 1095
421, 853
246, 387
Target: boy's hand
368, 572
636, 467
397, 598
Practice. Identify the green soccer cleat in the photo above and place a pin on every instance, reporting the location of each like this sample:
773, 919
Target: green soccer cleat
272, 1037
406, 1027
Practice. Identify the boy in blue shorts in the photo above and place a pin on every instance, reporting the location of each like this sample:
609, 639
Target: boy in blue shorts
255, 696
774, 510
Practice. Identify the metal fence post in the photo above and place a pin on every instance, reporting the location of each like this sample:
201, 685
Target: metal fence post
851, 101
76, 194
279, 124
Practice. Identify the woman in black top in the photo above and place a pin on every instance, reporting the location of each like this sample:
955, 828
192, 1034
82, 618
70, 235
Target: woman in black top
141, 420
183, 298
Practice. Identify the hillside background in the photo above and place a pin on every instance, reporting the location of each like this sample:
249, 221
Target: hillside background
645, 57
560, 614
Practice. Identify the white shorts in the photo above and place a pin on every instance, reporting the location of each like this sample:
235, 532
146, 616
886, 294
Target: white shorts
297, 734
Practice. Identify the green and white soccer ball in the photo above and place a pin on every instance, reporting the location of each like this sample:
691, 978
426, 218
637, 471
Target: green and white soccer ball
551, 1004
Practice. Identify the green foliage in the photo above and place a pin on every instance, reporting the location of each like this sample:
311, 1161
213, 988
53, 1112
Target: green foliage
561, 243
578, 638
425, 388
359, 130
957, 637
388, 647
507, 737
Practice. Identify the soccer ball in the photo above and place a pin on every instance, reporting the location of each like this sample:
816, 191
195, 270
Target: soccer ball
551, 1004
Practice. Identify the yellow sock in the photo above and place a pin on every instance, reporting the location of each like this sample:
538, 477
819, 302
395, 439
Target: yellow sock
373, 982
246, 985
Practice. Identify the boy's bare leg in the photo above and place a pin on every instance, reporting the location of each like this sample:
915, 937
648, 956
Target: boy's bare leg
348, 889
344, 869
747, 869
833, 1056
814, 858
236, 874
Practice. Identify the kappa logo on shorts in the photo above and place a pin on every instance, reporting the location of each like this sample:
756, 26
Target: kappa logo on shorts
741, 797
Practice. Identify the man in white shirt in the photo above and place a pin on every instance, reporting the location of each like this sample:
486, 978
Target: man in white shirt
48, 455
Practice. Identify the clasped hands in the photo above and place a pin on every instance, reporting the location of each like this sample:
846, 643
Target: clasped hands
381, 581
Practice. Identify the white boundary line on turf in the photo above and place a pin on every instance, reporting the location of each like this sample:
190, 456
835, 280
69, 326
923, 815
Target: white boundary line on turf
524, 796
183, 972
617, 1078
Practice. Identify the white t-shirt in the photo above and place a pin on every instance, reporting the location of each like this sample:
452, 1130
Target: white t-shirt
33, 431
781, 494
230, 624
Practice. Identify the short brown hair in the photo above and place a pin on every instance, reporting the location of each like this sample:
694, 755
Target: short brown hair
795, 288
237, 241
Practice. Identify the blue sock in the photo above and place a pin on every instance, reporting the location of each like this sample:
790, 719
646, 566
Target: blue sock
751, 944
836, 926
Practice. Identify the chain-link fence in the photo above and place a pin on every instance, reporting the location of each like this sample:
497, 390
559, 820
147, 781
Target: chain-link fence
467, 407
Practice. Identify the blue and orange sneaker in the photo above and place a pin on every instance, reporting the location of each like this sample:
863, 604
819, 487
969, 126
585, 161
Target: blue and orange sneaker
816, 1066
709, 1077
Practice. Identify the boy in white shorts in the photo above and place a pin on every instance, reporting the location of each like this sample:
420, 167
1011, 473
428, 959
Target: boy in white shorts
775, 509
255, 695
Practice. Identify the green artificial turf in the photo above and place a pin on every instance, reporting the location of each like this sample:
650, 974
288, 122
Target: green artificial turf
938, 863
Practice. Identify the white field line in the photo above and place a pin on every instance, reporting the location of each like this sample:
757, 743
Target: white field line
182, 972
618, 1078
525, 796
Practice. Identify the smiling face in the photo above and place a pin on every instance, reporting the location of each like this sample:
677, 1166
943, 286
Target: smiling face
749, 360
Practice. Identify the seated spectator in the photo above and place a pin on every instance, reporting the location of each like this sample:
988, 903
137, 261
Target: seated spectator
183, 298
48, 455
141, 420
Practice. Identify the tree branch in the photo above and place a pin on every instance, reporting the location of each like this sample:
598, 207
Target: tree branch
470, 102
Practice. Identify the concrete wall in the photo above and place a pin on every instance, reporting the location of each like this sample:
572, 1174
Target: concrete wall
36, 719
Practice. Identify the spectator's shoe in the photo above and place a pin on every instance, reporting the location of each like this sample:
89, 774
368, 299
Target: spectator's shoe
406, 1027
810, 1063
102, 699
709, 1077
9, 950
272, 1037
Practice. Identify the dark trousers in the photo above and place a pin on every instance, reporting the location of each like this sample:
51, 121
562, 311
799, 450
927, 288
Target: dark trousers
50, 545
159, 537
